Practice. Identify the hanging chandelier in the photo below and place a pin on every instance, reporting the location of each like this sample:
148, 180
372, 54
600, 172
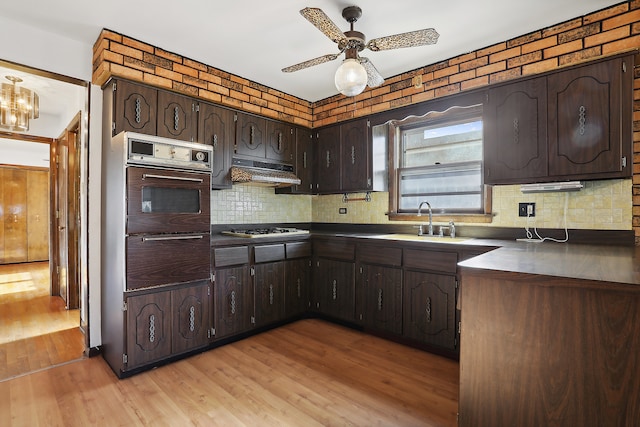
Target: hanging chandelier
17, 105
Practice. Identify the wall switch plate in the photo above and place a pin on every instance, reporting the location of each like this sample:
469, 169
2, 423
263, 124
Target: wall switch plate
527, 209
342, 211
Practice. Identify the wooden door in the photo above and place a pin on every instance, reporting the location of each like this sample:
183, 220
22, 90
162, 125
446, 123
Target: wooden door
515, 129
305, 161
250, 136
383, 298
233, 301
280, 142
297, 284
38, 215
336, 286
148, 331
354, 143
190, 313
269, 292
177, 117
134, 108
429, 308
62, 229
328, 160
14, 201
217, 127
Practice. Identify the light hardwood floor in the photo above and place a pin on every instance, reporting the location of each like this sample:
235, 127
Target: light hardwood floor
308, 373
36, 331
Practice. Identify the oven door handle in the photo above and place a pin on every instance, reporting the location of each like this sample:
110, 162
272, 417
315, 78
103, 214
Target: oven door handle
160, 238
175, 178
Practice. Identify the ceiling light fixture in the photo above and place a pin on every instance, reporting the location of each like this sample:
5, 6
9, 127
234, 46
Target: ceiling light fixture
17, 105
351, 77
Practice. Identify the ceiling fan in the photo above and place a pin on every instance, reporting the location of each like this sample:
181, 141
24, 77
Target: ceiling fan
356, 71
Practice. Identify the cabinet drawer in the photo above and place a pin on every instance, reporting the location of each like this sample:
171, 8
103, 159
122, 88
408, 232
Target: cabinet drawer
341, 250
235, 255
445, 262
380, 255
268, 253
298, 250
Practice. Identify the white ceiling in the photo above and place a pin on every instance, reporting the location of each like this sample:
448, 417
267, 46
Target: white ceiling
256, 39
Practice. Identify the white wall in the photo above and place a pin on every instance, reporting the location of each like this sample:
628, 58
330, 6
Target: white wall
61, 55
24, 153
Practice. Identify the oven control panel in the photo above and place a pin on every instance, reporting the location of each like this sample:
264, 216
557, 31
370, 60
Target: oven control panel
156, 151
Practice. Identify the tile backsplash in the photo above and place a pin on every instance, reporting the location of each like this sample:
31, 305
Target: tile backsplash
600, 205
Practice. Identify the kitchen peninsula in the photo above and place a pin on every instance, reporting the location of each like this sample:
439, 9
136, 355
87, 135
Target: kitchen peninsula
550, 336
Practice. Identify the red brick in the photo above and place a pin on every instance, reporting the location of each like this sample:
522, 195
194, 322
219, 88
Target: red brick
620, 20
607, 36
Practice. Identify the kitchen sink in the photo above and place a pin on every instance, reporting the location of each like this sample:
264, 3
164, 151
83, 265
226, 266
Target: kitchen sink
423, 238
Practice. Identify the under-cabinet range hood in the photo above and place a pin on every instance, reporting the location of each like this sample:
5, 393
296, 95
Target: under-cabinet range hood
254, 172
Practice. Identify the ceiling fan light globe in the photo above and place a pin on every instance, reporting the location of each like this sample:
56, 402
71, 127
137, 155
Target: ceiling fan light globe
351, 77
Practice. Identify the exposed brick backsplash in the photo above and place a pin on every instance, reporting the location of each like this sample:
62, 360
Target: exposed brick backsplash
609, 31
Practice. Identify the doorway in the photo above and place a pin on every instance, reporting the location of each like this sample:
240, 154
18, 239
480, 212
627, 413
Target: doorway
44, 304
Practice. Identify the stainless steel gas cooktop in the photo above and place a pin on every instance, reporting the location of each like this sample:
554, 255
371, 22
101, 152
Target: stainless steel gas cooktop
264, 232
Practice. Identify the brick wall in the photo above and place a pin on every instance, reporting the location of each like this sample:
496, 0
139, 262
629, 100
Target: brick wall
612, 30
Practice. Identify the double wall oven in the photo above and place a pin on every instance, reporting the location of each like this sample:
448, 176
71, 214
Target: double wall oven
156, 221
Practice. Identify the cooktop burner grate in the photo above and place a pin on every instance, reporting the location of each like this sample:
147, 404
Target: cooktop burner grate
258, 232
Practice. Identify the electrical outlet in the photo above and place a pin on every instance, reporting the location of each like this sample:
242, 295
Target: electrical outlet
527, 209
342, 211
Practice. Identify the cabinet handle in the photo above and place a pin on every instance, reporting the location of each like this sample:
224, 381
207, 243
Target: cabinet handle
252, 134
380, 299
335, 290
171, 177
163, 238
328, 159
215, 141
304, 160
280, 141
138, 110
270, 294
353, 155
232, 302
582, 119
428, 310
516, 131
152, 328
176, 118
192, 318
299, 293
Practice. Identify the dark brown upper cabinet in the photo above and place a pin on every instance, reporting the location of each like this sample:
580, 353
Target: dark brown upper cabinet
130, 107
280, 142
328, 178
590, 120
304, 163
251, 137
575, 123
515, 129
217, 127
177, 116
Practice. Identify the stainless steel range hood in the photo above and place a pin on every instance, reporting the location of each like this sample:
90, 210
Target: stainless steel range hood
254, 172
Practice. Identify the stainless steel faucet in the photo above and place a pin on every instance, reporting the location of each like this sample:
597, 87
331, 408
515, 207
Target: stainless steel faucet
420, 231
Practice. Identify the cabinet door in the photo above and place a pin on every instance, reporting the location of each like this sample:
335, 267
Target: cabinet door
14, 208
586, 131
335, 287
217, 127
328, 160
515, 129
190, 317
38, 215
297, 283
134, 108
429, 308
305, 161
269, 292
148, 328
280, 142
251, 136
233, 301
382, 298
356, 175
176, 116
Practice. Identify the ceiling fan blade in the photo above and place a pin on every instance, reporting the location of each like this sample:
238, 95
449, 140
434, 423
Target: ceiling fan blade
410, 39
322, 22
310, 63
374, 79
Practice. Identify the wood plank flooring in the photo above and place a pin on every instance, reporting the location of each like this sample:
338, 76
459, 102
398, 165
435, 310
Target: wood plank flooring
36, 331
308, 373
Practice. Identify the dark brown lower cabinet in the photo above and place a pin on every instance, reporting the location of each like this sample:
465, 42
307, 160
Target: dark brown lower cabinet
297, 273
269, 292
162, 324
233, 301
382, 298
335, 288
429, 312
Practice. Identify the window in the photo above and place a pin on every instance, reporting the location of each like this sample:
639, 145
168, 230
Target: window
438, 159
